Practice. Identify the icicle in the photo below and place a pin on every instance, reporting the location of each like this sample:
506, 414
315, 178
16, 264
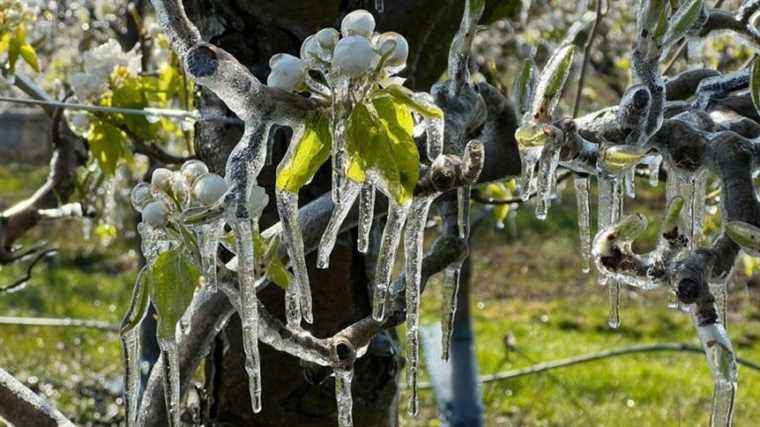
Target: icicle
414, 234
348, 195
434, 129
614, 294
463, 211
249, 307
379, 6
292, 307
530, 158
546, 175
170, 357
366, 216
340, 116
449, 289
387, 255
629, 180
131, 342
287, 206
584, 221
343, 397
653, 169
722, 362
208, 242
610, 208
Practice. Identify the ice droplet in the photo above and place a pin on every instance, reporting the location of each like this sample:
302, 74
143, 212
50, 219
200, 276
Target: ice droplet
287, 206
584, 221
366, 216
343, 397
414, 234
339, 213
386, 256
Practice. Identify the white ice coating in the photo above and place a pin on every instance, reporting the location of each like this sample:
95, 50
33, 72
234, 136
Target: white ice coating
343, 397
719, 290
547, 168
340, 117
131, 342
293, 307
339, 213
414, 234
584, 221
287, 206
379, 6
387, 255
653, 168
629, 180
170, 357
722, 362
366, 216
434, 129
249, 309
610, 208
449, 289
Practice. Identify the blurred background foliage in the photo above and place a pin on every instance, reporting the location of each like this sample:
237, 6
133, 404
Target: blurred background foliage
530, 301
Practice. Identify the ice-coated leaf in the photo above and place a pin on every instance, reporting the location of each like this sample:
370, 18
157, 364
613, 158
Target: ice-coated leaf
552, 82
305, 155
755, 83
412, 100
651, 14
630, 227
618, 158
534, 134
380, 142
672, 215
686, 16
138, 304
745, 235
173, 280
524, 86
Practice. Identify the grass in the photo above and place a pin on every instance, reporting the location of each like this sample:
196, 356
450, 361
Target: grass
528, 291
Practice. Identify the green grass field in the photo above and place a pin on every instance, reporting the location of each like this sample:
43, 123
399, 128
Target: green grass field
528, 291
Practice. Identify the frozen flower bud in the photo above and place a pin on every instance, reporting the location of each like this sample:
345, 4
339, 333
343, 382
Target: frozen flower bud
155, 214
288, 72
209, 188
193, 169
327, 38
161, 180
180, 187
140, 196
358, 23
395, 48
354, 56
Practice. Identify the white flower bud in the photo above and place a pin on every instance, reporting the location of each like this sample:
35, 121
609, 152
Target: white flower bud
396, 47
161, 180
194, 169
354, 56
209, 189
155, 214
288, 72
140, 196
327, 38
180, 187
358, 23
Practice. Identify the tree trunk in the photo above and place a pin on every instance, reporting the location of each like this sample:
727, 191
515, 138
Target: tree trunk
294, 393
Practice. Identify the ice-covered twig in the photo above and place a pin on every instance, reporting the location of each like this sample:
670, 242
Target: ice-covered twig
21, 406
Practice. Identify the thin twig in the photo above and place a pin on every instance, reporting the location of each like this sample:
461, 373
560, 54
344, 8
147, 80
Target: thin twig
28, 275
592, 357
586, 57
65, 322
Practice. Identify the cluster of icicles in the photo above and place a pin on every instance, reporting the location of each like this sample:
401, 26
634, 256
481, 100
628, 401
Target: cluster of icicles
351, 66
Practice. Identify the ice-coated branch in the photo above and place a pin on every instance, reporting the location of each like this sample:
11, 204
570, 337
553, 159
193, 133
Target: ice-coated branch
21, 406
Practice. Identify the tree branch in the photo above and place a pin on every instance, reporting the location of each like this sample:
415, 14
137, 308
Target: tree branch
21, 406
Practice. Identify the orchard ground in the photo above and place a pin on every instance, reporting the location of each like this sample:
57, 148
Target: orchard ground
530, 303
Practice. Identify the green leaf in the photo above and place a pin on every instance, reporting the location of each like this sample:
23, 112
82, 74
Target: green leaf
277, 272
552, 83
107, 145
683, 20
5, 42
412, 100
138, 304
14, 47
30, 57
755, 83
305, 156
477, 6
173, 281
524, 86
380, 140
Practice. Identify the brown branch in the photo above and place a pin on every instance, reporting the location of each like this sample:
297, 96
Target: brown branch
20, 282
21, 406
